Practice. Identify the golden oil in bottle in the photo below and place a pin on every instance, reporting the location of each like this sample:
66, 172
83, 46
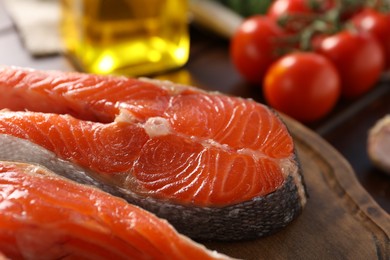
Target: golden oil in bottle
127, 37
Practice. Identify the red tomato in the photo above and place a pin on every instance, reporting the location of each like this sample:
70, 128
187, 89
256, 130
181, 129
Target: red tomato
358, 58
286, 7
301, 9
305, 86
255, 46
377, 24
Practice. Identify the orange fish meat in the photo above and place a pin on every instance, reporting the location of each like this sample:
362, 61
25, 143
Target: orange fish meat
226, 165
44, 216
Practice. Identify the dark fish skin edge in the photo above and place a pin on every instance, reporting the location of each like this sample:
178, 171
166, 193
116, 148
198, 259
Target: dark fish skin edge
252, 219
296, 157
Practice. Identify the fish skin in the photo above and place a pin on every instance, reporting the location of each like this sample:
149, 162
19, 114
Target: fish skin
228, 222
80, 222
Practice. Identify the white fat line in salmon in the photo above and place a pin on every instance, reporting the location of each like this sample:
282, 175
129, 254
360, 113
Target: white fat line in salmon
172, 88
160, 126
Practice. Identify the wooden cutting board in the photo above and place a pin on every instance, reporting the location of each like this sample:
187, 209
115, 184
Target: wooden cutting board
340, 220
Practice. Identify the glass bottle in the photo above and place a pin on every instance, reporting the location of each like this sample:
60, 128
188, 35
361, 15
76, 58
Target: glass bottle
126, 37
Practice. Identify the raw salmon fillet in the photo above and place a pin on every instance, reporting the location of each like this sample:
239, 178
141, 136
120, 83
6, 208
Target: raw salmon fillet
224, 164
44, 216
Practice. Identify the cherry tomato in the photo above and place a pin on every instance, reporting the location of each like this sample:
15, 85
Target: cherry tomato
255, 46
378, 24
285, 7
358, 57
305, 86
301, 11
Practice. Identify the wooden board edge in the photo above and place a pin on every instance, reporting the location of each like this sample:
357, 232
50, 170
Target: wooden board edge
345, 177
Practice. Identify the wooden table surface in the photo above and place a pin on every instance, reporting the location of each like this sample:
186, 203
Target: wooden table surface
210, 67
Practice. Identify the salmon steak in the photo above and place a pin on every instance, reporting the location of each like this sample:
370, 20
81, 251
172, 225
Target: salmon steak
76, 221
216, 167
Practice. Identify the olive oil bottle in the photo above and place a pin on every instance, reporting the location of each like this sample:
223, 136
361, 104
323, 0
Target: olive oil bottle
126, 37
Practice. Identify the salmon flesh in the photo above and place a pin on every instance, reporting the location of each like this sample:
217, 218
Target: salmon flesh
215, 166
45, 216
